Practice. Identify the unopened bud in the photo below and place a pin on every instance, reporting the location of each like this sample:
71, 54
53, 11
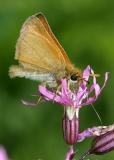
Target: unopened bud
101, 144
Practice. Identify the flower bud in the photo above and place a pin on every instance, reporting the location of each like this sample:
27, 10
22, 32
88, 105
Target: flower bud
70, 128
101, 144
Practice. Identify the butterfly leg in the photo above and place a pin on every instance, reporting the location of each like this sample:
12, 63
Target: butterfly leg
57, 91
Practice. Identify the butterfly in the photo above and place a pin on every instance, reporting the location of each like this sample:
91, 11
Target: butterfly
40, 55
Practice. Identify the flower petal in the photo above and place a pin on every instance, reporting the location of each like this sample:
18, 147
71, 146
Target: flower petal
64, 89
106, 78
86, 73
48, 95
70, 153
3, 154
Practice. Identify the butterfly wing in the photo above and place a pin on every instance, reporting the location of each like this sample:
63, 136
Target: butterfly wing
37, 46
38, 50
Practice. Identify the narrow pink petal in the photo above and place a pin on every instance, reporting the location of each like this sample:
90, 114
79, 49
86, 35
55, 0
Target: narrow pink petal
70, 154
45, 92
81, 90
66, 95
90, 100
96, 87
97, 90
89, 132
3, 154
82, 97
82, 87
87, 72
64, 89
106, 78
49, 95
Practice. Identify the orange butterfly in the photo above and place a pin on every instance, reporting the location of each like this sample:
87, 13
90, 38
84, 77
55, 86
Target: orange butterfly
40, 55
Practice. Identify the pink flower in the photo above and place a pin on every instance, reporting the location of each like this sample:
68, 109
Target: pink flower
73, 101
79, 98
3, 154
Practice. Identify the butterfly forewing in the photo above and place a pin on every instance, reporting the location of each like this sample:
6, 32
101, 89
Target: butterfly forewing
39, 52
53, 38
35, 46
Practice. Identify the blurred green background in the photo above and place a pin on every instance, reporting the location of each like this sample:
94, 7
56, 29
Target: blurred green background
85, 28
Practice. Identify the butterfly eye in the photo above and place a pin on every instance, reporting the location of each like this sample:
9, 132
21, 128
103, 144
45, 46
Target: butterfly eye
74, 77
